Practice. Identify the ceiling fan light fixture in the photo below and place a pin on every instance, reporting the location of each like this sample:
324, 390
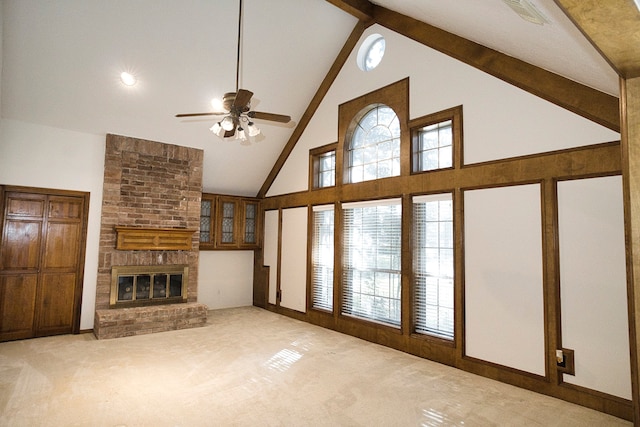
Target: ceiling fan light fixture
253, 129
227, 123
217, 129
241, 134
237, 106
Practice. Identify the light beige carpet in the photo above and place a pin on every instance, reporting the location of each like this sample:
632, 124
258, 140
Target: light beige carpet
252, 367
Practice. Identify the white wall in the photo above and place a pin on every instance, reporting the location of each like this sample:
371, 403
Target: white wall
225, 279
293, 276
504, 308
40, 156
593, 287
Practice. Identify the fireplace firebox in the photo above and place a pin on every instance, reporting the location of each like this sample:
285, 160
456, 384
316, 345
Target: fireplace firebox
134, 286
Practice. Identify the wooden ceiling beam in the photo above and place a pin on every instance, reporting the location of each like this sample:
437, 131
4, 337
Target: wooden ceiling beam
361, 9
585, 101
613, 27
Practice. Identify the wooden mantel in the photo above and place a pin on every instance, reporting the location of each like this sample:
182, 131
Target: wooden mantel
153, 239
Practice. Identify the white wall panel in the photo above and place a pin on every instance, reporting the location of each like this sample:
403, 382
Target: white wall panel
504, 313
593, 290
225, 279
270, 251
293, 280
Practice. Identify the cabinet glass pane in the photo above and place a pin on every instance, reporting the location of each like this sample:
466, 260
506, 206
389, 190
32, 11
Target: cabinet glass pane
250, 223
205, 221
228, 209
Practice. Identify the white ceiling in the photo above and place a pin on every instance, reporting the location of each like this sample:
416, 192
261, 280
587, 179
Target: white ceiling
62, 59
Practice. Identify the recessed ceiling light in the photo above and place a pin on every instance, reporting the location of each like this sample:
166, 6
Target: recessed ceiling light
217, 104
128, 79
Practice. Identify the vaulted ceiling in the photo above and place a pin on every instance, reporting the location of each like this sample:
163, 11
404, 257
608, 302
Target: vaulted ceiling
61, 61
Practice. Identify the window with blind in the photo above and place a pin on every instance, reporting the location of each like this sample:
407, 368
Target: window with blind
433, 265
371, 261
322, 258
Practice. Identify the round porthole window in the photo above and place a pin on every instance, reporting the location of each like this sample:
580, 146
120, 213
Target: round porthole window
371, 52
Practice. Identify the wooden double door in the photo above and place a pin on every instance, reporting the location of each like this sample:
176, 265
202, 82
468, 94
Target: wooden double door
42, 245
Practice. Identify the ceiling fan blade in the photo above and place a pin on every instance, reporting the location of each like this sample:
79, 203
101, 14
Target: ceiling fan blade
281, 118
229, 133
199, 114
243, 97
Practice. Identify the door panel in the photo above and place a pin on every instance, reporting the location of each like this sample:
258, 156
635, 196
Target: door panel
20, 245
56, 302
65, 208
25, 205
17, 304
61, 247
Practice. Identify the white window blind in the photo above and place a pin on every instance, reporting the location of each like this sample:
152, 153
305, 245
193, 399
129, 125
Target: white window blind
433, 265
322, 258
371, 261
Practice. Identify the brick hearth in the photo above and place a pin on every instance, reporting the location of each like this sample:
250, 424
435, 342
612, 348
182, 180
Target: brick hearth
125, 322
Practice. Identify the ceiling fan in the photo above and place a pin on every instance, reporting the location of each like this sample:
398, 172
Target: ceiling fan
237, 107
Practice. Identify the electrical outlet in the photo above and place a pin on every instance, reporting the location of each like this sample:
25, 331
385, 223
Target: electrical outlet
565, 361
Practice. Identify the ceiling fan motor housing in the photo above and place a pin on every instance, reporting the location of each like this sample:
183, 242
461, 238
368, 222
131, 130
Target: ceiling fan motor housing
228, 101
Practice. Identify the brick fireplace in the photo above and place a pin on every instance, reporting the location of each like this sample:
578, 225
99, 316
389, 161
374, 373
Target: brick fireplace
148, 185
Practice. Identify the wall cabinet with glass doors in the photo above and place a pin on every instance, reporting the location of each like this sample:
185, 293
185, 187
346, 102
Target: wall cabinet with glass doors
229, 222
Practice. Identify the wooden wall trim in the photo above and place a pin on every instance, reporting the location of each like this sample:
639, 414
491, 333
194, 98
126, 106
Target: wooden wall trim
630, 107
587, 102
313, 105
581, 162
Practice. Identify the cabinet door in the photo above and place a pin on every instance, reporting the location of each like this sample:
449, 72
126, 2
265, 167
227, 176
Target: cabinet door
207, 228
226, 221
250, 224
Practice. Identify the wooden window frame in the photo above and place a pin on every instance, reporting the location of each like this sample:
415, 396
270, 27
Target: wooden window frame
455, 115
315, 155
394, 96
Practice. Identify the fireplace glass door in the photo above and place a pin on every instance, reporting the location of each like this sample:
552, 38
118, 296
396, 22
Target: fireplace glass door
147, 285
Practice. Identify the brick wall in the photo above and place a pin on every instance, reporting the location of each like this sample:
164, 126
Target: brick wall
148, 184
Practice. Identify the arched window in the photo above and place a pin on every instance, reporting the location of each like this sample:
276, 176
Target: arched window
373, 144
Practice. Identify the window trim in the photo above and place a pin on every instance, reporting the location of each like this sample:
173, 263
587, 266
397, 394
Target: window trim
351, 132
314, 161
455, 115
395, 96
